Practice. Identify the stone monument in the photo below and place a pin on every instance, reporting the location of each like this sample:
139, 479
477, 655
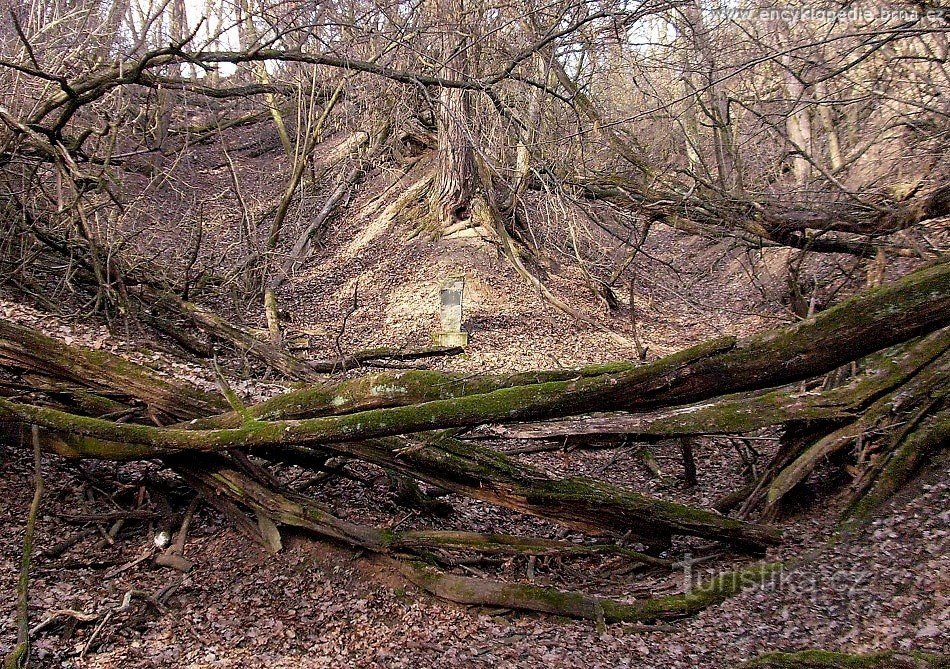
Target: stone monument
450, 314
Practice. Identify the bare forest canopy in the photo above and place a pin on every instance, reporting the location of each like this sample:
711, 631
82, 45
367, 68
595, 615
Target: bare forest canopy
581, 139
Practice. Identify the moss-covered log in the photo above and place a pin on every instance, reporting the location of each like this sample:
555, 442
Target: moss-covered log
298, 511
472, 470
824, 659
930, 388
490, 592
292, 510
394, 389
744, 412
27, 349
897, 467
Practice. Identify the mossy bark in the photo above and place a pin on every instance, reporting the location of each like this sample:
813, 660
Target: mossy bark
931, 386
744, 412
454, 465
900, 465
27, 349
823, 659
490, 592
393, 389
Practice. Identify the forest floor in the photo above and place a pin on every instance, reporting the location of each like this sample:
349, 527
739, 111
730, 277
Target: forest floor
314, 604
318, 605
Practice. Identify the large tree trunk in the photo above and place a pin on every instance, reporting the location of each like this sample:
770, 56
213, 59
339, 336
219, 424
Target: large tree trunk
453, 187
456, 174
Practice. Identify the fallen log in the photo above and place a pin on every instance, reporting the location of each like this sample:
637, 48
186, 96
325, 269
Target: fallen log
929, 389
475, 471
490, 592
23, 348
745, 412
897, 467
297, 512
824, 659
241, 340
464, 468
393, 389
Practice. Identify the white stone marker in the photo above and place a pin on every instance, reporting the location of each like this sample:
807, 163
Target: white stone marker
450, 314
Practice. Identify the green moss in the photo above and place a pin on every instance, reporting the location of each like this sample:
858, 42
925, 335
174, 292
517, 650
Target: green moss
391, 389
823, 659
702, 596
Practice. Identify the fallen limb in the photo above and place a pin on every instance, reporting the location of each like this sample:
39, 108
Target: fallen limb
823, 659
20, 655
899, 466
28, 349
745, 412
241, 340
475, 471
932, 384
490, 592
299, 512
392, 389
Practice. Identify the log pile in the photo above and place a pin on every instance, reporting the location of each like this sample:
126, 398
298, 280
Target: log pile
882, 424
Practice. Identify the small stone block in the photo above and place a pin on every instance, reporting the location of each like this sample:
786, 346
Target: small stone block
449, 339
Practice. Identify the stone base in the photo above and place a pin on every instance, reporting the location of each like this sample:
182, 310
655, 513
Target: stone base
449, 339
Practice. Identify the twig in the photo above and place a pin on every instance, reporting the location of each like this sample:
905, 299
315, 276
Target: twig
54, 617
20, 654
122, 608
346, 316
236, 404
689, 462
